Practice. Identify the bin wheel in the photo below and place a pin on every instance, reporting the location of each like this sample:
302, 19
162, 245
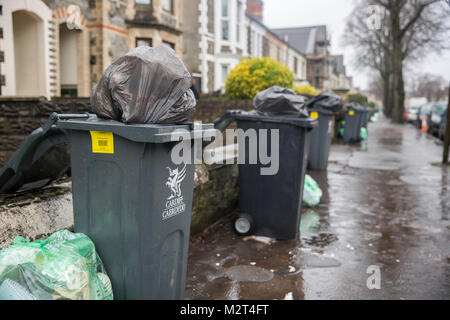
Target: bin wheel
243, 225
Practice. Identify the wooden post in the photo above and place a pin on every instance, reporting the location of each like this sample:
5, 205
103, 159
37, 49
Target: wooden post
447, 132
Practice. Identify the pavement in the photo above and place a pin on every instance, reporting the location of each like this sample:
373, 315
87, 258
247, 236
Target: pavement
380, 232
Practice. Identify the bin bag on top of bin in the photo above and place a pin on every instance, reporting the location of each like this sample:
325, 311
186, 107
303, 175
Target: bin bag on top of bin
277, 101
146, 86
327, 102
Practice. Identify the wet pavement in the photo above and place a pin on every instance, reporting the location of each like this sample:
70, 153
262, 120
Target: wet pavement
386, 207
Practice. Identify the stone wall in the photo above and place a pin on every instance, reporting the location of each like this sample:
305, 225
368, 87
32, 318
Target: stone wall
20, 116
209, 110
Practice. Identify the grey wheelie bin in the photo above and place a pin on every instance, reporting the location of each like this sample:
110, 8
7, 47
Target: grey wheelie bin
134, 202
323, 108
353, 123
366, 117
270, 205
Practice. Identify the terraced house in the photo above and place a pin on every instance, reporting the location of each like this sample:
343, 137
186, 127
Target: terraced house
217, 34
61, 47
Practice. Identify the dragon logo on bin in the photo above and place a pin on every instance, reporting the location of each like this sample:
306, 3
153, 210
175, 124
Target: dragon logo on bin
175, 202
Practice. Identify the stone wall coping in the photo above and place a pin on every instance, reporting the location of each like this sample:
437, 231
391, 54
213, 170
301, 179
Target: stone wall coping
22, 99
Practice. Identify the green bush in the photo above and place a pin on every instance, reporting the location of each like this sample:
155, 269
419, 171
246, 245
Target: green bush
257, 74
358, 98
309, 90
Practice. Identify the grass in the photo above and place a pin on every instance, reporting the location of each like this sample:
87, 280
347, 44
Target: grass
439, 164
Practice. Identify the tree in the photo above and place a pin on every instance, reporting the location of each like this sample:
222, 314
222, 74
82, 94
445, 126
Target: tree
447, 133
376, 87
408, 31
431, 86
372, 47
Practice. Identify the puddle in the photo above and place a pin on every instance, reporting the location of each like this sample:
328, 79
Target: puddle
248, 274
310, 260
322, 240
309, 222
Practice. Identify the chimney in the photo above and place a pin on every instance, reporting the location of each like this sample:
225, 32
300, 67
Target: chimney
255, 7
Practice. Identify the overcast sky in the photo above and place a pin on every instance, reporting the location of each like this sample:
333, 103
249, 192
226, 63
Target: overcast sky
333, 13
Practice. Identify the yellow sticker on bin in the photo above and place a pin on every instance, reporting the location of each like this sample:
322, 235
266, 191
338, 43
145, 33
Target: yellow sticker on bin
315, 115
102, 142
351, 113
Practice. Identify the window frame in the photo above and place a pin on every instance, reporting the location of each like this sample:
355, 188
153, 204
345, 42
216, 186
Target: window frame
143, 39
224, 19
171, 6
227, 68
143, 4
239, 22
169, 44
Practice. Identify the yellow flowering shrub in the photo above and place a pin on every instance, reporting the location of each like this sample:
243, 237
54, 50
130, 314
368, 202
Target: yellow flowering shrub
306, 90
257, 74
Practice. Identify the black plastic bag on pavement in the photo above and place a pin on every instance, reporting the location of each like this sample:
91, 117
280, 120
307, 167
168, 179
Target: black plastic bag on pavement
146, 86
327, 102
280, 101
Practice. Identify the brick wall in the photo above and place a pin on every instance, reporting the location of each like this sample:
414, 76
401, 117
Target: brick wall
20, 116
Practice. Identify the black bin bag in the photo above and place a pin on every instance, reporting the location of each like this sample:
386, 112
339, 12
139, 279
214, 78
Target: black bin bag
277, 101
326, 102
146, 86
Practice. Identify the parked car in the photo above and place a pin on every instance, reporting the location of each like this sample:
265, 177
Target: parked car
422, 115
411, 114
412, 108
437, 113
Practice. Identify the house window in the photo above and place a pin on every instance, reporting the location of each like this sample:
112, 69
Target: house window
225, 30
169, 44
257, 44
167, 5
295, 65
144, 42
225, 20
225, 71
69, 91
143, 1
239, 22
317, 69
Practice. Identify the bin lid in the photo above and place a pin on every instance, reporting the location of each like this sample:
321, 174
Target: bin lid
355, 106
147, 133
295, 121
321, 110
41, 159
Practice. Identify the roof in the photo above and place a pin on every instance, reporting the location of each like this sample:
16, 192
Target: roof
303, 38
282, 39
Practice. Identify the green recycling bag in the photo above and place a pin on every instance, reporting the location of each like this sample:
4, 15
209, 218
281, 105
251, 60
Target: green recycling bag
311, 192
63, 267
